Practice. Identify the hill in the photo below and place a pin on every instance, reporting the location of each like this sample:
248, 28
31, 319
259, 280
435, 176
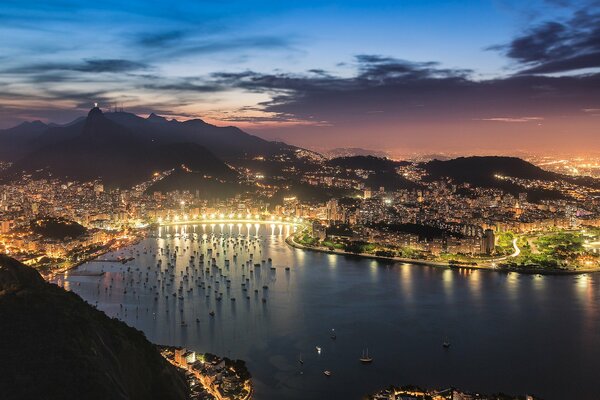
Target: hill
57, 228
483, 172
56, 346
15, 141
206, 187
382, 171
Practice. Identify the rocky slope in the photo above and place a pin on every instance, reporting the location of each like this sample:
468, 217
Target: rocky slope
53, 345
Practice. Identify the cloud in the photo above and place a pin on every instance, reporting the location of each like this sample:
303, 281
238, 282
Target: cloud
558, 46
86, 66
408, 92
160, 39
511, 119
183, 85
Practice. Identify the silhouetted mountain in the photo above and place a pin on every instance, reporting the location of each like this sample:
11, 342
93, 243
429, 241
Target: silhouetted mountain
15, 141
56, 346
101, 148
354, 151
226, 142
482, 172
369, 163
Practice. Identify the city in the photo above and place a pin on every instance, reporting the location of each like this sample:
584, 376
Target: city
267, 200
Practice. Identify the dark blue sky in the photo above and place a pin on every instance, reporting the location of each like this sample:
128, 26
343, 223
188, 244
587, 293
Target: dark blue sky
313, 73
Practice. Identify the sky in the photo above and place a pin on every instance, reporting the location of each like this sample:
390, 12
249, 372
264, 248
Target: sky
400, 76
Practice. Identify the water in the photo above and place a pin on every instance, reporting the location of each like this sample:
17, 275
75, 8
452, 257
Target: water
509, 332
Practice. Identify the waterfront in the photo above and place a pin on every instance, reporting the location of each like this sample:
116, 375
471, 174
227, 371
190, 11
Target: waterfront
509, 332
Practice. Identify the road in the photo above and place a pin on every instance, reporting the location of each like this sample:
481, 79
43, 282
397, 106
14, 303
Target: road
517, 249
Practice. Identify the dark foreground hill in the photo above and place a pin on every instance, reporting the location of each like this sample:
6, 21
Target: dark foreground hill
53, 345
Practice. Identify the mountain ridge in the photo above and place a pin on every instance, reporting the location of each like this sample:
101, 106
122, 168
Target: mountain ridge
101, 148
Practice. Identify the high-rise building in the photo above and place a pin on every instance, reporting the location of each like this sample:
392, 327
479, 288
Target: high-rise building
488, 241
333, 210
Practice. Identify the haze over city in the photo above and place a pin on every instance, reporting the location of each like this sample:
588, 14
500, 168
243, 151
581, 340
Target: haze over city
418, 76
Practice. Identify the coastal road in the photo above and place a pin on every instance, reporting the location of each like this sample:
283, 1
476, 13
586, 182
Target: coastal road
517, 249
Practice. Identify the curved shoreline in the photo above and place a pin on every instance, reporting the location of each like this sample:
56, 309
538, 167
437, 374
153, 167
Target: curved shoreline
438, 264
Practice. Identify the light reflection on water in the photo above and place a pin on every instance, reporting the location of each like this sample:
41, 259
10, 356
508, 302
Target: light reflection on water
509, 332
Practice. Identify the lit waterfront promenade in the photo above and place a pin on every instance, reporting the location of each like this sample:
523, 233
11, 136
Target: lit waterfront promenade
222, 219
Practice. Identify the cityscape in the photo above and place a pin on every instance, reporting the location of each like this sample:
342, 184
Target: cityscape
263, 200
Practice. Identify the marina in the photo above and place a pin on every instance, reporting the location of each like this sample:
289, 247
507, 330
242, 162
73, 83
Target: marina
180, 286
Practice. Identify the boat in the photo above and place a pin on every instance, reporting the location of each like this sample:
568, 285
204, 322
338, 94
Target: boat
318, 349
446, 344
365, 358
300, 359
333, 335
327, 373
212, 313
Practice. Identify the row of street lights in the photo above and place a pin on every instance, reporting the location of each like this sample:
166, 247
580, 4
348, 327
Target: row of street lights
234, 217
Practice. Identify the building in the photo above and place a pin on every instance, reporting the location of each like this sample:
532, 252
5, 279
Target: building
319, 230
488, 241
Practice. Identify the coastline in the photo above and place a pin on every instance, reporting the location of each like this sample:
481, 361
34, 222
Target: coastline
439, 264
52, 274
292, 243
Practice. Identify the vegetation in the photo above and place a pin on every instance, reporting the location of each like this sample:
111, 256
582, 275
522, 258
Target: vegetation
504, 243
56, 346
557, 250
360, 247
57, 228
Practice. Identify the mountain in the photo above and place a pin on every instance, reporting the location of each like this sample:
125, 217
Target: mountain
54, 345
369, 163
98, 147
354, 151
226, 142
482, 171
14, 141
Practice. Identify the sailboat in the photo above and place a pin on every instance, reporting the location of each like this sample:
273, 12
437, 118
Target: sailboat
365, 358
